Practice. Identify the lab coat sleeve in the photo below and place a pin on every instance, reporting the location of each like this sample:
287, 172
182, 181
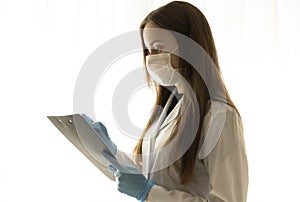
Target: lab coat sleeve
159, 193
226, 166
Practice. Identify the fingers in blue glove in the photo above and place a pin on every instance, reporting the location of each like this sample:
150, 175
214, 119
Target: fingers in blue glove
102, 128
130, 180
102, 133
88, 119
97, 124
114, 171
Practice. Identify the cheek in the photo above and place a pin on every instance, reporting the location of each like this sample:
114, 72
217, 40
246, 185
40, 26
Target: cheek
175, 61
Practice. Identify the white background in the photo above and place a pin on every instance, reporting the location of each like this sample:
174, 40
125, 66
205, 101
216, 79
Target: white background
44, 43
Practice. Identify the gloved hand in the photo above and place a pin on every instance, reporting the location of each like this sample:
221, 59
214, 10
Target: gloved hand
102, 132
130, 180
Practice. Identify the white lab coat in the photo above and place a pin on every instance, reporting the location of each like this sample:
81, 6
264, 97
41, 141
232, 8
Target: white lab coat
221, 170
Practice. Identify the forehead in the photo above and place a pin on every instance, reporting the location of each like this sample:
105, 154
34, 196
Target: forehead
152, 34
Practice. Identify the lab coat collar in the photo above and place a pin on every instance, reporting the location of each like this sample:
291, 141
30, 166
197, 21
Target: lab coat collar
173, 114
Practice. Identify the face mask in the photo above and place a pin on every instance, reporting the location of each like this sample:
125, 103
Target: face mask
160, 69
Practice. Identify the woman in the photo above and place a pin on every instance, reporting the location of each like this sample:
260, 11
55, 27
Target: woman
193, 149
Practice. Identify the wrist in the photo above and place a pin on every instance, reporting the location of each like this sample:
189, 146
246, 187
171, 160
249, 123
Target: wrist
144, 195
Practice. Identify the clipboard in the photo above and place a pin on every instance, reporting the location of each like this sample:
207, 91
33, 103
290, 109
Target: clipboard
85, 138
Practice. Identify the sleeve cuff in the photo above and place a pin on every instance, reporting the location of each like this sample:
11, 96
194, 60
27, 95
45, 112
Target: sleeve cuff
146, 191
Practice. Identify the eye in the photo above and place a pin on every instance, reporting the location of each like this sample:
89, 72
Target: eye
153, 51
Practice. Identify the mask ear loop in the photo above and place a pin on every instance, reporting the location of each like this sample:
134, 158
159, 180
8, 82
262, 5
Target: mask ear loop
174, 49
170, 56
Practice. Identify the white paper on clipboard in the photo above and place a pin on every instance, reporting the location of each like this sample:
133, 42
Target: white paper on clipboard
84, 137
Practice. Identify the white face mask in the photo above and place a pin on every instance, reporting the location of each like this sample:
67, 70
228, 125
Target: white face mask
160, 69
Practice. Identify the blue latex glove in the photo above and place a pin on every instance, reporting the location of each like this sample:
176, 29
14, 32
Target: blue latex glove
101, 129
130, 180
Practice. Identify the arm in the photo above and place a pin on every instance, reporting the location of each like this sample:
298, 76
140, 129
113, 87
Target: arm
226, 166
159, 193
228, 178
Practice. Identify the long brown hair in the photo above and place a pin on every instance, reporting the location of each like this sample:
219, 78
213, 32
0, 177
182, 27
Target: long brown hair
186, 19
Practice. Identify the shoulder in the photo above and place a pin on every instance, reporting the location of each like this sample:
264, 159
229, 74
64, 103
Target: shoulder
222, 115
222, 130
220, 107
